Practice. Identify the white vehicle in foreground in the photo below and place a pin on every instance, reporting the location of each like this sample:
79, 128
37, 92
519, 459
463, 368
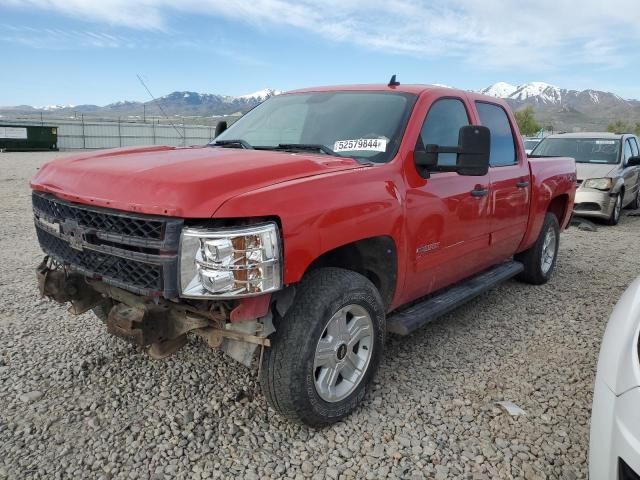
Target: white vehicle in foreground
614, 452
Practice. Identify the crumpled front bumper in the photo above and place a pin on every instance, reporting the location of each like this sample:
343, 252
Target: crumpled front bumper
593, 203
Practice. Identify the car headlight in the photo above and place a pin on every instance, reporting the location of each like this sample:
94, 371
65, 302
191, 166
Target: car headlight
235, 262
598, 183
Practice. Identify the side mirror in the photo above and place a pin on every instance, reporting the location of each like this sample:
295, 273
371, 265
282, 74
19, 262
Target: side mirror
474, 148
473, 151
633, 161
220, 127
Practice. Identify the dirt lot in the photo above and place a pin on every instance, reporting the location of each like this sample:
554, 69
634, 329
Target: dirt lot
77, 403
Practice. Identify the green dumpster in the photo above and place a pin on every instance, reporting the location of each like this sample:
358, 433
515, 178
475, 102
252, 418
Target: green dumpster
15, 137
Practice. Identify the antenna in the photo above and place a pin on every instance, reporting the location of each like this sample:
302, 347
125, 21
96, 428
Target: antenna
393, 82
159, 106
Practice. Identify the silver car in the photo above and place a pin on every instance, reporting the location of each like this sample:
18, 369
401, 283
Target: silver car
608, 167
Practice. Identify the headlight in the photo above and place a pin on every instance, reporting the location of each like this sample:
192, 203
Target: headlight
236, 262
598, 183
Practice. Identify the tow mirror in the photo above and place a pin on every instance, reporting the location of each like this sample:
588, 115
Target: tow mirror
220, 127
474, 143
633, 161
473, 151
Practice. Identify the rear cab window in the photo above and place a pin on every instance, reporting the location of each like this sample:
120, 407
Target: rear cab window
503, 146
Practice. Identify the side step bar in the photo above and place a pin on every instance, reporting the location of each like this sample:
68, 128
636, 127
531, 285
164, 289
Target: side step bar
406, 321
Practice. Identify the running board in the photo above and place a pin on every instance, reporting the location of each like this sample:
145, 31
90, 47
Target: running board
406, 321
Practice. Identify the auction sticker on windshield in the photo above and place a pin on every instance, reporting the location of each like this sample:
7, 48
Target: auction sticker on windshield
369, 144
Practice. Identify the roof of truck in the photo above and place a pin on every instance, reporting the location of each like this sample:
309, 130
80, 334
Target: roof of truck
415, 89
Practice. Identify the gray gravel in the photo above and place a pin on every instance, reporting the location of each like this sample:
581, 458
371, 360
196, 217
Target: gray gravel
77, 403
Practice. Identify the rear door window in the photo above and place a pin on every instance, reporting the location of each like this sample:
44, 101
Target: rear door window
503, 147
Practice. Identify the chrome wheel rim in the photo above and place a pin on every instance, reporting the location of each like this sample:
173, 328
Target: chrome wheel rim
617, 207
548, 250
343, 353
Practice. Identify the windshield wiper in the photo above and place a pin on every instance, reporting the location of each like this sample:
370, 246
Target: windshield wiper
243, 143
306, 146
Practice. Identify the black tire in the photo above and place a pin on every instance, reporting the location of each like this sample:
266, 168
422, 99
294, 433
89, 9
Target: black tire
102, 309
614, 218
288, 375
532, 259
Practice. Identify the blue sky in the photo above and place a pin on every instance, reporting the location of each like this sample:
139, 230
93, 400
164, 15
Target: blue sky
86, 51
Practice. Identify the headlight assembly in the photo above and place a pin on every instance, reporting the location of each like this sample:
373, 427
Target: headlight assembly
226, 263
598, 183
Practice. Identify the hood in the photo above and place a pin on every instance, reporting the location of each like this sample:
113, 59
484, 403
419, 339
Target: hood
182, 182
594, 170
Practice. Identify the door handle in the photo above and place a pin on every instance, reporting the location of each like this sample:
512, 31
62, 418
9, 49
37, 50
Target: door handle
522, 183
479, 191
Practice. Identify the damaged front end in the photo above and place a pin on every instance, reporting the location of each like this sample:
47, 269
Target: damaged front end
238, 327
154, 279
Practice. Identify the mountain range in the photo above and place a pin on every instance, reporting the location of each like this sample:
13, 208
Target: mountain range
566, 109
562, 108
177, 103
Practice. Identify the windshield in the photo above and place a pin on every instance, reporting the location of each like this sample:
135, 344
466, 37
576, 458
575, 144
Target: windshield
584, 150
361, 125
530, 144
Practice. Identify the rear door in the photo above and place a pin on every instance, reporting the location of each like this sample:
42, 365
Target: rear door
447, 214
509, 176
630, 174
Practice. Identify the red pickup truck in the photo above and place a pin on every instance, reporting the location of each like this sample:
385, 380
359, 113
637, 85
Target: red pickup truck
305, 231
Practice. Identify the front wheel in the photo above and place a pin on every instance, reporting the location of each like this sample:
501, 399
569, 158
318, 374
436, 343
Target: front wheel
540, 259
326, 349
614, 218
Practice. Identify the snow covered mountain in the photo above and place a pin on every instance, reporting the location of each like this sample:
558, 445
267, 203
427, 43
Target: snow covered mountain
541, 93
500, 90
261, 94
50, 108
566, 108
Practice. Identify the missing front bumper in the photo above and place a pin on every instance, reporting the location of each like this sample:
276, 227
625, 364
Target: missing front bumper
155, 323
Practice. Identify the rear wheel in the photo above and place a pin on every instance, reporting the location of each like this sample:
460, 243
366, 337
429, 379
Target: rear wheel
540, 259
326, 349
614, 218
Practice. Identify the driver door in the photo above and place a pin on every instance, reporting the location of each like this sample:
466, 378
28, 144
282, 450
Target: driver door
447, 223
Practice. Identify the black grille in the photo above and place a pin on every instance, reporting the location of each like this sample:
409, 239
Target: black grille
135, 252
130, 274
109, 222
587, 207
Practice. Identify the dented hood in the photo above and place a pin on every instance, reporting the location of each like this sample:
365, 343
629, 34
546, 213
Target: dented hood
183, 182
595, 170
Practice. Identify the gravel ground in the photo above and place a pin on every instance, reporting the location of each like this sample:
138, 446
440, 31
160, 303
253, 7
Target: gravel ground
77, 403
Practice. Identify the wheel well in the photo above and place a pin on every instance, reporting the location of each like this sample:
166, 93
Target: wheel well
375, 258
558, 206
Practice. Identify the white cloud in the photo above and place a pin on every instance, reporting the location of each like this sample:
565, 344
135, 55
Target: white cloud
493, 33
